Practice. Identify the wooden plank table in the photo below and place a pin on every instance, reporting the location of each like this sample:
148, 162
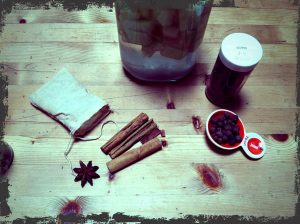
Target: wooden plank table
165, 184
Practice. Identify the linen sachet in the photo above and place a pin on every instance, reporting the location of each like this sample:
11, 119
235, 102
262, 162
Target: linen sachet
65, 100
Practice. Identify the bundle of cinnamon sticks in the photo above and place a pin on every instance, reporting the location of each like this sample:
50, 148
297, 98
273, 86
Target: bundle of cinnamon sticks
142, 129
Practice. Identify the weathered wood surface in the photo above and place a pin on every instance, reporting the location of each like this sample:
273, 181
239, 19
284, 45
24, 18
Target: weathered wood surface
165, 184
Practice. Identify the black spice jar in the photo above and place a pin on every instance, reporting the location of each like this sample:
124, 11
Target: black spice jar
238, 56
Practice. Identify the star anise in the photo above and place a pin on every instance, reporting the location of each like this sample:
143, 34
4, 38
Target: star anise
86, 173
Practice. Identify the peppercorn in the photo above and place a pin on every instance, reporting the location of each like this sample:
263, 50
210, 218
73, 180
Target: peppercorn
238, 139
225, 138
212, 130
220, 123
234, 119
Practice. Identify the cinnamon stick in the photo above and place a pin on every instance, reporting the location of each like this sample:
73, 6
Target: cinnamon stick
134, 155
124, 132
133, 138
93, 121
154, 133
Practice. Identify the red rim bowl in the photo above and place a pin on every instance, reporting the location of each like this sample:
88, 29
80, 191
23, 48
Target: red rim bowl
216, 114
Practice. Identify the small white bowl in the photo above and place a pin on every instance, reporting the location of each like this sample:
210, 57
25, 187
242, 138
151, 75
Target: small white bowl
218, 113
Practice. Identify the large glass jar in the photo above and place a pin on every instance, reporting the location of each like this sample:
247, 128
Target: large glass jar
159, 38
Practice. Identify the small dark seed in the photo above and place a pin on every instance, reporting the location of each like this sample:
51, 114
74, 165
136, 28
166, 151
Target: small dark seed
230, 137
214, 136
228, 133
212, 130
236, 130
238, 139
231, 142
214, 120
226, 114
219, 134
227, 127
220, 123
234, 118
219, 140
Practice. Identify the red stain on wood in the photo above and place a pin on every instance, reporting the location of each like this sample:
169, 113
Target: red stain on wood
280, 137
210, 176
104, 21
72, 207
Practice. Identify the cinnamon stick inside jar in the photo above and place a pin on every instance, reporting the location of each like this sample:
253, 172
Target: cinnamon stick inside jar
134, 155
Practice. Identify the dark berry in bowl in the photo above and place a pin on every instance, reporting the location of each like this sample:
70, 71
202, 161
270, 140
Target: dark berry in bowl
225, 138
238, 139
227, 114
212, 130
220, 124
225, 129
214, 120
231, 142
234, 119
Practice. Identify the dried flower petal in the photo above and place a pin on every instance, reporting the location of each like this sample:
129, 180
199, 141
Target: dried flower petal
196, 122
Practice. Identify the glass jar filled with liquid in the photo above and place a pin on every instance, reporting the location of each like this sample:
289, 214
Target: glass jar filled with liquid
159, 39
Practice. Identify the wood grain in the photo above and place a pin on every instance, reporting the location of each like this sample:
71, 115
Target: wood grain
103, 74
267, 4
107, 32
263, 121
219, 15
183, 97
166, 184
109, 53
128, 186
